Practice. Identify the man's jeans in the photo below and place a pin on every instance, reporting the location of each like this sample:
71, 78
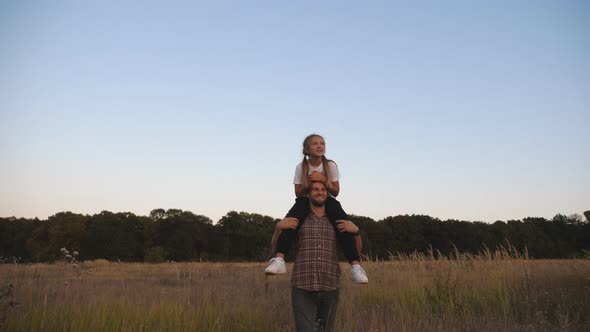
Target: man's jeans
314, 311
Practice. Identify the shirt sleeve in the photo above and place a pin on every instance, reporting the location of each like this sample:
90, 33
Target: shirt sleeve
297, 179
334, 173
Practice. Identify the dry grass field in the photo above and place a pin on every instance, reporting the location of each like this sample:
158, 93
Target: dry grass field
419, 293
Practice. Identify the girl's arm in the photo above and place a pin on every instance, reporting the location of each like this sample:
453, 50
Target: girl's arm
317, 176
299, 190
335, 189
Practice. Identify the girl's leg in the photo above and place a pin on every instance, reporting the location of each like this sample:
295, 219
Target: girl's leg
347, 241
299, 210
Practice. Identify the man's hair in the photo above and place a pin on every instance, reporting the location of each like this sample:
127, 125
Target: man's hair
308, 191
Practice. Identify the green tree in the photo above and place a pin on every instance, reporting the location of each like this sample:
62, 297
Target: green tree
245, 236
38, 243
66, 229
113, 236
183, 234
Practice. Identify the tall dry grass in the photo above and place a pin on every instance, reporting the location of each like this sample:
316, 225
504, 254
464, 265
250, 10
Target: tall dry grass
488, 292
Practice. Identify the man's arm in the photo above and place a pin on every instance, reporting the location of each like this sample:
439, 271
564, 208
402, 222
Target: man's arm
287, 223
273, 241
349, 227
359, 243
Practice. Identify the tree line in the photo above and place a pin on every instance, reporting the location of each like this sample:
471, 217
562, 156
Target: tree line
177, 235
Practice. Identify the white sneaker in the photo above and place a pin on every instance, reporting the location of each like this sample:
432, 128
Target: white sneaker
358, 274
276, 266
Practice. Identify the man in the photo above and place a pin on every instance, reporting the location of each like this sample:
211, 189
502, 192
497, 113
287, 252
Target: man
315, 279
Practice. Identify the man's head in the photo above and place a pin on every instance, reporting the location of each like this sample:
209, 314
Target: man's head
317, 194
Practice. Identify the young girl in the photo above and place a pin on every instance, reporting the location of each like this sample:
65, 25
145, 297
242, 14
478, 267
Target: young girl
316, 167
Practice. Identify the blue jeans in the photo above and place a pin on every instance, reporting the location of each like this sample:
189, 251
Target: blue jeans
314, 311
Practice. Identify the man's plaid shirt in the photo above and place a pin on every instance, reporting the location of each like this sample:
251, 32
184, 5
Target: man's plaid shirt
316, 257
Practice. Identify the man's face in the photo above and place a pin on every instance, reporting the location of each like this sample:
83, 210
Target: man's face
318, 194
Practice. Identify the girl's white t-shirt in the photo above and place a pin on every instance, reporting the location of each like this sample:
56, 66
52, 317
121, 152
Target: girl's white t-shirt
334, 174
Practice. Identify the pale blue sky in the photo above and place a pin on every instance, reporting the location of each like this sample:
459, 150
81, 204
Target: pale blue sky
472, 110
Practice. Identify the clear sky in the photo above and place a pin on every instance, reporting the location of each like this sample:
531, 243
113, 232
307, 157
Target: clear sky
472, 110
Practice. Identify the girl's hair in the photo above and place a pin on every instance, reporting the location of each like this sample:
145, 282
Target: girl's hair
305, 165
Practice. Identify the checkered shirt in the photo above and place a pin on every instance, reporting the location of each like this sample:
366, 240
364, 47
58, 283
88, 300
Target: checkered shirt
316, 257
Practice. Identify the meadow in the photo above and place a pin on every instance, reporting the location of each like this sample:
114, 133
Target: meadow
412, 293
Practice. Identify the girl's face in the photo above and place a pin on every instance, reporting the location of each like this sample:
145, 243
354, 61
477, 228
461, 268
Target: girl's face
316, 147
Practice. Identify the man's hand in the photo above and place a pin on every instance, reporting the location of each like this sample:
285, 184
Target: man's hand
287, 223
346, 226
